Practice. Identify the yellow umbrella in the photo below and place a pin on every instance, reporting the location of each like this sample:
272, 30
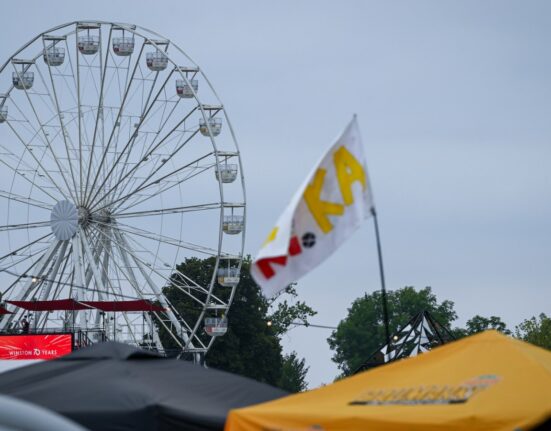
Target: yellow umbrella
485, 382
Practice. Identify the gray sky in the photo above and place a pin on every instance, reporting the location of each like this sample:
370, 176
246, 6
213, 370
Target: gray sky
454, 102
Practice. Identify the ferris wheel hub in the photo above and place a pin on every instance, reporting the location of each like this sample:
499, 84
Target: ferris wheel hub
83, 216
103, 216
64, 220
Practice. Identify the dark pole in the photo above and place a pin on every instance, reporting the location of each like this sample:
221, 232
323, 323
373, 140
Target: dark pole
382, 273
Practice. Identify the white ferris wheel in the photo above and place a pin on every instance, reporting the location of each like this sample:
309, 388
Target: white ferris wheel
118, 161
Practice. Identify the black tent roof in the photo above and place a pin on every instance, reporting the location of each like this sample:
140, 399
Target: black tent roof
113, 386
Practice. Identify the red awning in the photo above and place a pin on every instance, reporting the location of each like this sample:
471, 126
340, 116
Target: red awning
137, 305
55, 305
4, 311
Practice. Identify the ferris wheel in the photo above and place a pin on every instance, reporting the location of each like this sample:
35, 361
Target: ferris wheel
118, 161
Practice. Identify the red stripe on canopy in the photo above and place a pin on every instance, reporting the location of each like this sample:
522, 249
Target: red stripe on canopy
137, 305
54, 305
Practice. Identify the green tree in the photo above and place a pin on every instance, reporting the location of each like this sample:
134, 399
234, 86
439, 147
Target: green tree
252, 345
479, 324
288, 311
293, 373
362, 332
536, 330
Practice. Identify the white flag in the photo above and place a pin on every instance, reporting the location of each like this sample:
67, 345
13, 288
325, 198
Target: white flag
325, 211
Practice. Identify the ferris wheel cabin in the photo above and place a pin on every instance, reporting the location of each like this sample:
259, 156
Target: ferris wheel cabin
233, 224
88, 44
228, 277
185, 90
156, 61
23, 79
123, 46
53, 55
215, 326
212, 124
226, 172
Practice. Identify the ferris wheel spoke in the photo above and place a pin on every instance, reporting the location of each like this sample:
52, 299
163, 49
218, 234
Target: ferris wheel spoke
59, 283
70, 87
52, 109
170, 240
12, 266
173, 210
25, 200
136, 132
79, 113
103, 248
45, 135
89, 77
128, 274
46, 289
194, 171
125, 180
92, 195
172, 314
145, 266
186, 289
193, 285
31, 285
22, 176
22, 275
128, 85
190, 283
144, 185
29, 244
31, 225
60, 117
102, 283
155, 169
38, 162
99, 112
154, 147
127, 270
64, 274
144, 104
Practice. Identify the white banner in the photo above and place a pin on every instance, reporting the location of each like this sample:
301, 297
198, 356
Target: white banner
325, 211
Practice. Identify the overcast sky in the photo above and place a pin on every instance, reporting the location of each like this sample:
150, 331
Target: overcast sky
454, 104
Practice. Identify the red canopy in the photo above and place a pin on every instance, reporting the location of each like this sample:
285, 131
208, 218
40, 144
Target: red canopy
137, 305
71, 304
58, 304
4, 311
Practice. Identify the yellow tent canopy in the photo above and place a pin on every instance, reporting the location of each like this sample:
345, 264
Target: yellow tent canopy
485, 382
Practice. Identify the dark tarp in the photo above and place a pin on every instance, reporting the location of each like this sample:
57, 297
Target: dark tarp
113, 386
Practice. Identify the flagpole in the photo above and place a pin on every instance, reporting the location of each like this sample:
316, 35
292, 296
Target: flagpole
382, 273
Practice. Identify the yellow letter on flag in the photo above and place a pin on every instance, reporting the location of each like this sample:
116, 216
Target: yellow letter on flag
320, 209
349, 171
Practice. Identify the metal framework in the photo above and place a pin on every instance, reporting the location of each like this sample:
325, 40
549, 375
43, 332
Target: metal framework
118, 161
422, 333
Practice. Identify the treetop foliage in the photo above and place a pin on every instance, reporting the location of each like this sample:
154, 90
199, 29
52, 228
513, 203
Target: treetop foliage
361, 333
536, 330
